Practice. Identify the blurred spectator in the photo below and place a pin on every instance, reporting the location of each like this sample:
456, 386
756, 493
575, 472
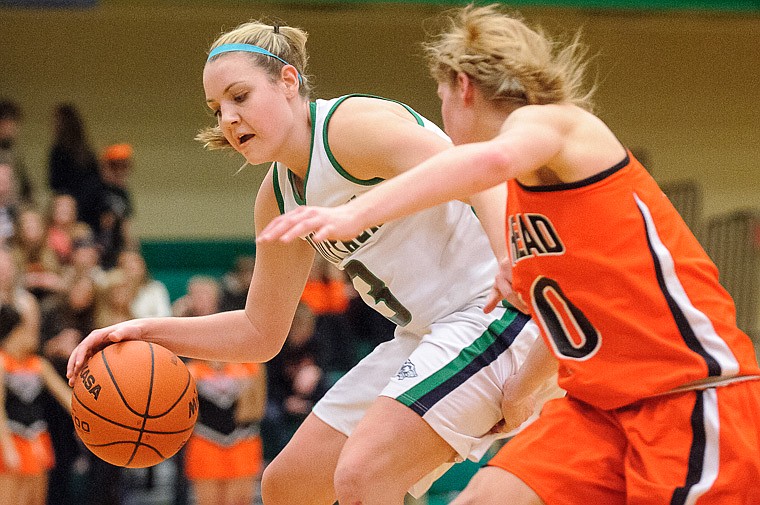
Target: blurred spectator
223, 457
63, 226
295, 382
367, 328
10, 127
27, 453
114, 232
112, 305
36, 260
85, 260
326, 291
235, 283
328, 294
8, 203
73, 165
113, 299
150, 297
66, 319
202, 298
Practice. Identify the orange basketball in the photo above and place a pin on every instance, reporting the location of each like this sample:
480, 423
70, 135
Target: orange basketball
134, 404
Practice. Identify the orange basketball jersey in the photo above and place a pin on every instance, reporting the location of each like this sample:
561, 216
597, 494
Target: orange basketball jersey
625, 296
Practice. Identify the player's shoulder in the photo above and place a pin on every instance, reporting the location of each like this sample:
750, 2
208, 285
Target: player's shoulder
555, 114
357, 109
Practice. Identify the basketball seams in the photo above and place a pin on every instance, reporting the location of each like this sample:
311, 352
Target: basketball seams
147, 404
179, 398
146, 415
127, 427
110, 444
116, 384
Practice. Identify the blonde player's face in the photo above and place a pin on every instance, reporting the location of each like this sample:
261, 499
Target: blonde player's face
252, 111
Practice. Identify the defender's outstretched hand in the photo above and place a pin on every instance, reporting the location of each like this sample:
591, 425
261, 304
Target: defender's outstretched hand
97, 340
323, 223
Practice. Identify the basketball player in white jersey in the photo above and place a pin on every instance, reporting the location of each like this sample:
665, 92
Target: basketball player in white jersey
429, 397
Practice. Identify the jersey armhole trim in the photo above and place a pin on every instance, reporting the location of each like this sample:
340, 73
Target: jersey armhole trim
581, 183
331, 157
277, 190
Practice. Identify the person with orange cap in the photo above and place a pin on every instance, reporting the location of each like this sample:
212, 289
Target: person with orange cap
114, 232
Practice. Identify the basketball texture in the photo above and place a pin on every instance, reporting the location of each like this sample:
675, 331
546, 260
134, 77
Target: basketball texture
134, 404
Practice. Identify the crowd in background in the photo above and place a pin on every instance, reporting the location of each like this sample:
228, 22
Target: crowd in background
74, 251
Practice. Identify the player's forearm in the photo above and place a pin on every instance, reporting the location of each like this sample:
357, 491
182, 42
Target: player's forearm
490, 207
539, 366
454, 174
226, 336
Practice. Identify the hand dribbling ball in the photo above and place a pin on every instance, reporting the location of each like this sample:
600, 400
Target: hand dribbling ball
134, 404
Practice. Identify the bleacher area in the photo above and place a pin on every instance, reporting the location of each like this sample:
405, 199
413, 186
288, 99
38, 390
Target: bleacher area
732, 240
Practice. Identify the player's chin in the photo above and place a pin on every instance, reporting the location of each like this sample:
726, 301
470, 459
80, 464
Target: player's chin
254, 156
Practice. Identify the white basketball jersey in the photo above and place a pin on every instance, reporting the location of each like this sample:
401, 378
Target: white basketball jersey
415, 270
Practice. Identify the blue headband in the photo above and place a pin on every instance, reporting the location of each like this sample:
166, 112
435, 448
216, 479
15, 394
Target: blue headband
248, 48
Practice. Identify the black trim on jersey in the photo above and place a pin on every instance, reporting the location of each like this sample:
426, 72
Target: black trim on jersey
696, 453
684, 328
297, 196
277, 189
583, 182
500, 344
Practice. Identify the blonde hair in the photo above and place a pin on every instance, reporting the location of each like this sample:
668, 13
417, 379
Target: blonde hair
508, 60
287, 42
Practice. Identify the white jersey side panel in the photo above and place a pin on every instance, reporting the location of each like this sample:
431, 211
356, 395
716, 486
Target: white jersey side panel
413, 270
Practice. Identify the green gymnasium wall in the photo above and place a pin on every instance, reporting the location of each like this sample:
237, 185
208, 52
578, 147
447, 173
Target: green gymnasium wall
173, 262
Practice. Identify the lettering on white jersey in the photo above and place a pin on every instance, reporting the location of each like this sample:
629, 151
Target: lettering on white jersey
335, 251
532, 235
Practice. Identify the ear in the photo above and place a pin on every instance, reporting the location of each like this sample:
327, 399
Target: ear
465, 88
289, 76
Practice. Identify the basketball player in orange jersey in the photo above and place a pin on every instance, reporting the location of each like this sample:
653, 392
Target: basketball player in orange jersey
663, 401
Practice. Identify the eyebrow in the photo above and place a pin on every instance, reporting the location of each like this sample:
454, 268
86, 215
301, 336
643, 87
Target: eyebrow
225, 90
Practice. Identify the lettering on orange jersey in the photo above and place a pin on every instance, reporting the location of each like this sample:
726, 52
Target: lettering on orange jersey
532, 235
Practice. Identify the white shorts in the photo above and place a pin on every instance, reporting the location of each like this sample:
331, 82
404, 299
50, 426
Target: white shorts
452, 377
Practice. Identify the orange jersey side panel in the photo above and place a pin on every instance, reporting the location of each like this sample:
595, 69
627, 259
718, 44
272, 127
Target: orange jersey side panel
625, 296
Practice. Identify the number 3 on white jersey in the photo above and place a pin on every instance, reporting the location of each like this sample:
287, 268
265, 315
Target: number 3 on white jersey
376, 294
